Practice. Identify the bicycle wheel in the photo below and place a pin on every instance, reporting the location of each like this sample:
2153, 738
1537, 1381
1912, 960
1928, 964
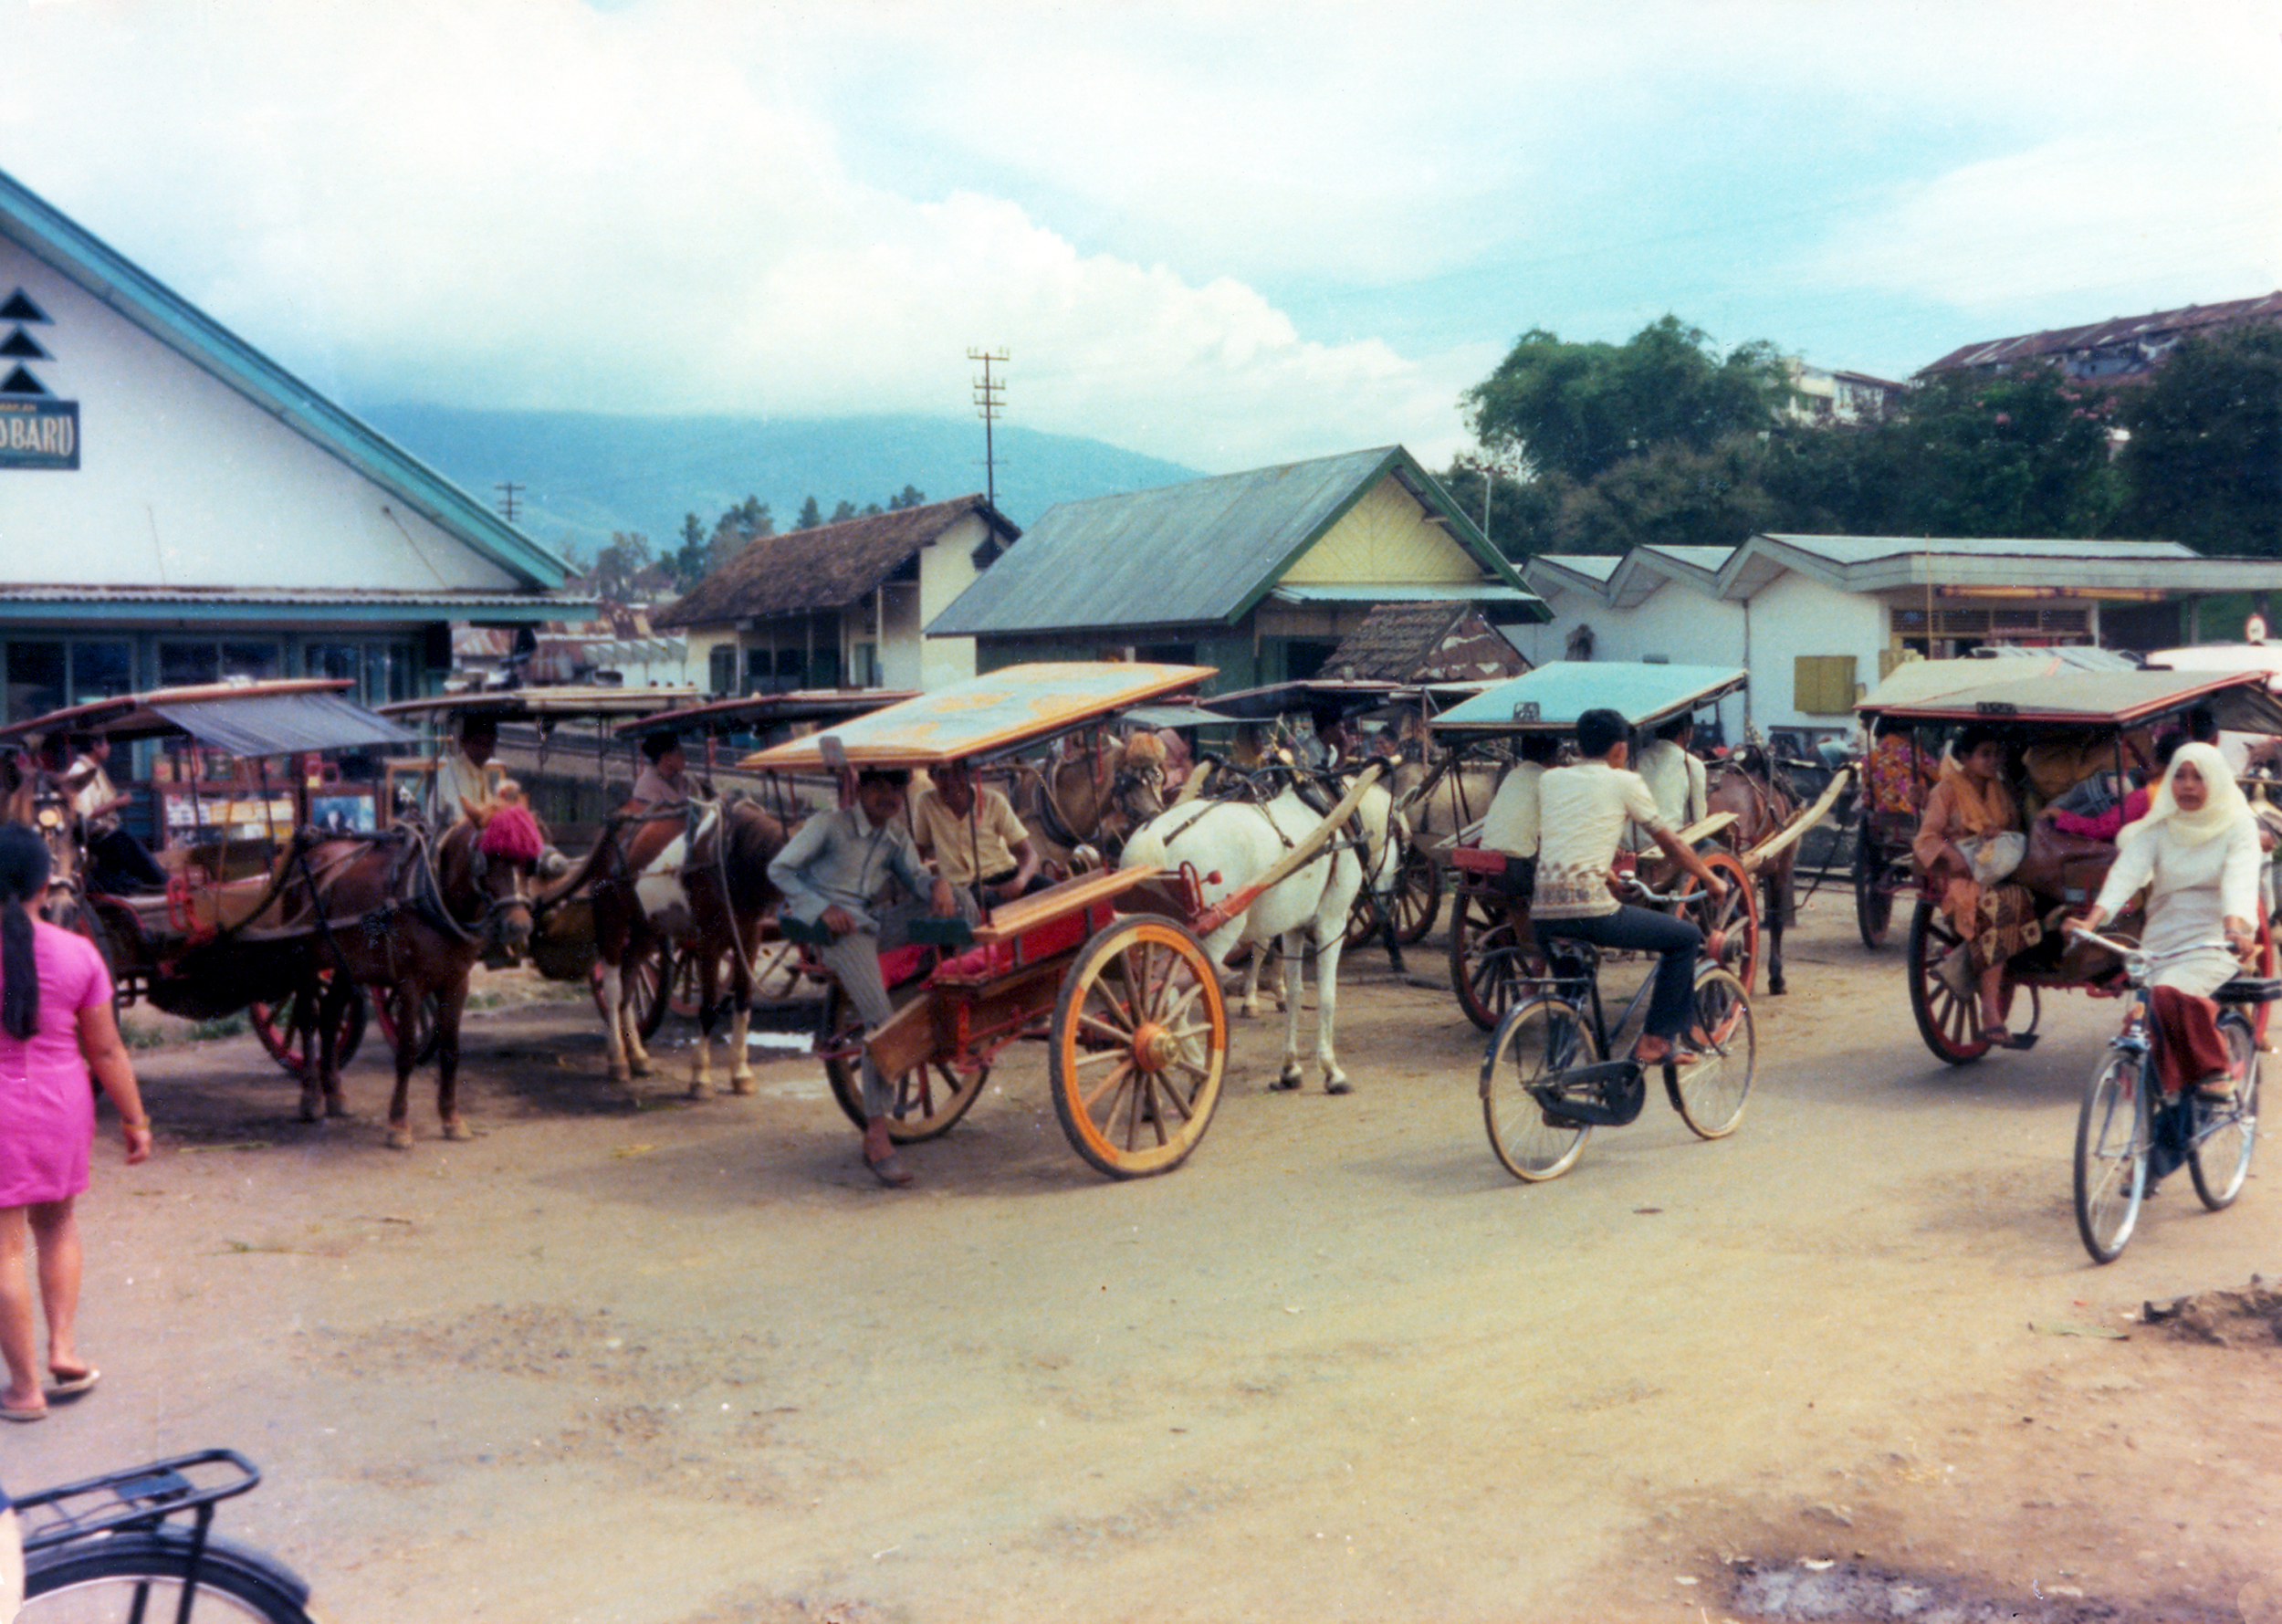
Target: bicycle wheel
2220, 1156
1709, 1094
112, 1578
2111, 1142
1535, 1042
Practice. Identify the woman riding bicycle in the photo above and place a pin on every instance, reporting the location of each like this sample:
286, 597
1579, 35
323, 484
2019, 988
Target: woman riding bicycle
2197, 852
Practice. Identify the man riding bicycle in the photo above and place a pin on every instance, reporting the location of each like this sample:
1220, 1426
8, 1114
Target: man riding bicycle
1583, 812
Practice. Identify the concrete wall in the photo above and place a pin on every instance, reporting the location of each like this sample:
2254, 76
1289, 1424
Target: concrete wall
1797, 615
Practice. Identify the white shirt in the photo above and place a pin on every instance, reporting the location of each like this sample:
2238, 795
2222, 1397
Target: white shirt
1510, 823
1582, 811
2195, 887
1676, 779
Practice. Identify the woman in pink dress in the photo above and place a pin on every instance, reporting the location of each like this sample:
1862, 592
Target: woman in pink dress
56, 1029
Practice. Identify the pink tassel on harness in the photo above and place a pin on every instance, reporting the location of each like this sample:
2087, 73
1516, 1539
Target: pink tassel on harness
512, 836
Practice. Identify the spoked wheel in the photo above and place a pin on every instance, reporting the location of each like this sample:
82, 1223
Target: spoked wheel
1737, 913
156, 1576
2226, 1133
1942, 995
927, 1101
275, 1024
1490, 964
1138, 1047
387, 1013
1418, 892
2111, 1146
775, 971
1535, 1042
1873, 902
1710, 1092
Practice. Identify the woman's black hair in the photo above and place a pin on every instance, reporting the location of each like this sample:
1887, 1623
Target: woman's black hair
24, 864
1974, 735
656, 745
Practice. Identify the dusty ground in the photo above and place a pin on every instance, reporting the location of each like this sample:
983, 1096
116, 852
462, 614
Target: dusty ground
687, 1363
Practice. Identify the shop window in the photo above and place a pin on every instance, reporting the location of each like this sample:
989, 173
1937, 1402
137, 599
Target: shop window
101, 670
336, 661
187, 665
721, 669
258, 662
35, 679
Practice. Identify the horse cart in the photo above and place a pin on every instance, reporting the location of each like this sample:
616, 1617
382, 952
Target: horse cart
217, 939
1491, 960
1105, 967
2061, 729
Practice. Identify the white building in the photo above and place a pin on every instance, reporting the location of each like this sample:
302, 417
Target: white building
1817, 620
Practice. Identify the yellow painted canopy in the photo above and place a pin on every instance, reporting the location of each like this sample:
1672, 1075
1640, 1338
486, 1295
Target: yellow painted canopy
986, 716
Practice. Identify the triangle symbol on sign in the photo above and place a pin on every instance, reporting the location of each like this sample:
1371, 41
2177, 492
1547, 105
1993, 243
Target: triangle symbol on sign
22, 346
20, 382
20, 308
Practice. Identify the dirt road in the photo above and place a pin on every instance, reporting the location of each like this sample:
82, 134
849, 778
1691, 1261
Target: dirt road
688, 1363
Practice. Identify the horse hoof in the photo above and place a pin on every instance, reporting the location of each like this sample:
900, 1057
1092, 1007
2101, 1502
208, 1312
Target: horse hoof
1289, 1080
336, 1108
640, 1068
453, 1130
698, 1089
400, 1138
311, 1114
1337, 1086
743, 1083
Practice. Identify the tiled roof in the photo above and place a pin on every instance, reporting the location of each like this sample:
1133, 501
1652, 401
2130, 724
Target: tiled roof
828, 567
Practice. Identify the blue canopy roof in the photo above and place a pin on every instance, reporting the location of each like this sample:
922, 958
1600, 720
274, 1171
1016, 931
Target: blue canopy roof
1550, 698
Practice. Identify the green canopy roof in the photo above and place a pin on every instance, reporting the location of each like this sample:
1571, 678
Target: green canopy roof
1550, 698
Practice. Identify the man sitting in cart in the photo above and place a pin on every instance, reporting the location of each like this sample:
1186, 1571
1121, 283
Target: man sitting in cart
1582, 813
1511, 825
830, 871
1674, 775
117, 862
463, 777
664, 781
976, 842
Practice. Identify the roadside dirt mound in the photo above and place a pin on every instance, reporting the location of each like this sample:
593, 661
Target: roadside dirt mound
2251, 1318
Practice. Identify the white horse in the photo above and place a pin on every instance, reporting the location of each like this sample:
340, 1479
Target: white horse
1232, 843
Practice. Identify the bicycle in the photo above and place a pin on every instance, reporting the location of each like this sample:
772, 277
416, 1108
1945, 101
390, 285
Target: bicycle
2127, 1125
1545, 1088
138, 1546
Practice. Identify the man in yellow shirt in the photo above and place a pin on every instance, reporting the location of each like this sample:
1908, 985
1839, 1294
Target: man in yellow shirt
975, 838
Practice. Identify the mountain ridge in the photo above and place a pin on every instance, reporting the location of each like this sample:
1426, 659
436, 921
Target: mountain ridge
581, 477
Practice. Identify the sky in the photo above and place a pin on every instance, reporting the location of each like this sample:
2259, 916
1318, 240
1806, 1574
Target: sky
1221, 232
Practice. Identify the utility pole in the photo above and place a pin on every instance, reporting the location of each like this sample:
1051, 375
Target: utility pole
507, 490
988, 404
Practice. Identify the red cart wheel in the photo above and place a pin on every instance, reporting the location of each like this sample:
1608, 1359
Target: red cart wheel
929, 1099
274, 1024
1941, 991
1737, 913
1138, 1047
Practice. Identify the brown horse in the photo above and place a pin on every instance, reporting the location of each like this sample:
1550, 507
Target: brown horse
1748, 785
695, 874
408, 914
1090, 799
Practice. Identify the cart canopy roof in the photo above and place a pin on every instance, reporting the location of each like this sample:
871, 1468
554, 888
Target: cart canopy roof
545, 706
2223, 656
2240, 700
249, 718
749, 712
986, 716
1550, 698
1350, 696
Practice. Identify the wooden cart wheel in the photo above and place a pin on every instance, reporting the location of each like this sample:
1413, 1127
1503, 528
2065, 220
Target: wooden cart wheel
1873, 901
777, 974
1948, 1019
384, 1009
1415, 901
929, 1098
273, 1023
1138, 1047
1488, 972
1737, 913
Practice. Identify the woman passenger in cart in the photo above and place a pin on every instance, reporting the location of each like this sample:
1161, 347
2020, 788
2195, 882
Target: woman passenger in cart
2197, 852
1969, 840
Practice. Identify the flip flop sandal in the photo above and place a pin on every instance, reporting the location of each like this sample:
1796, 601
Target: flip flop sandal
68, 1386
9, 1412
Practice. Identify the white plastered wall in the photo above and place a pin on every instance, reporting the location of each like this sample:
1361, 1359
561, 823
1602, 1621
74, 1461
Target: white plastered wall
1795, 614
182, 482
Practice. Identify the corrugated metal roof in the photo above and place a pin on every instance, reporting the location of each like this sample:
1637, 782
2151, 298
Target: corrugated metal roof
2151, 335
109, 277
1201, 553
1433, 592
1857, 549
241, 605
282, 724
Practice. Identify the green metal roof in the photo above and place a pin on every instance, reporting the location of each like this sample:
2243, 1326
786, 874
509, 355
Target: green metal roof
1202, 554
113, 280
1550, 698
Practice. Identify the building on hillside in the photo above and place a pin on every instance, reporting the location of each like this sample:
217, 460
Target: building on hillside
1822, 396
1437, 641
1260, 573
2115, 352
1817, 620
176, 509
843, 605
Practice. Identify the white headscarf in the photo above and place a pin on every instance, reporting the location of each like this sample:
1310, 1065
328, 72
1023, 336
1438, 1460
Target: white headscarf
2223, 805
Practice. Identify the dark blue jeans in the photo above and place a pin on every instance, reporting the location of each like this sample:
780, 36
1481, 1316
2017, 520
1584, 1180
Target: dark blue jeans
1644, 930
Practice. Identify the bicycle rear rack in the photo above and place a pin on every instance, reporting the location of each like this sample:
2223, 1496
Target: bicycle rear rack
138, 1498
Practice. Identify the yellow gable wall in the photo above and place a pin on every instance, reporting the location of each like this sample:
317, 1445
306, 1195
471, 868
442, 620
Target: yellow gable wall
1384, 539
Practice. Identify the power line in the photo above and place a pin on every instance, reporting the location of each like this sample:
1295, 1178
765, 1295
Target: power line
507, 490
987, 405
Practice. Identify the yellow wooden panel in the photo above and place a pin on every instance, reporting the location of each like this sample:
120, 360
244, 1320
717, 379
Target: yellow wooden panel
1384, 538
1823, 684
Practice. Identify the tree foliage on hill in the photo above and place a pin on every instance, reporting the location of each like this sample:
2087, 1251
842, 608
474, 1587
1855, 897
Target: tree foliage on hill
2204, 461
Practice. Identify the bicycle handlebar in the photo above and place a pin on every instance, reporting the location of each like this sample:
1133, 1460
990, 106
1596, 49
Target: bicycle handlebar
2138, 962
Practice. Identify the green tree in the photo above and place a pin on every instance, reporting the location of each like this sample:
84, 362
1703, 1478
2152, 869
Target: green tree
1579, 410
2204, 463
810, 516
911, 496
2020, 453
618, 565
1519, 512
1673, 494
688, 561
842, 513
